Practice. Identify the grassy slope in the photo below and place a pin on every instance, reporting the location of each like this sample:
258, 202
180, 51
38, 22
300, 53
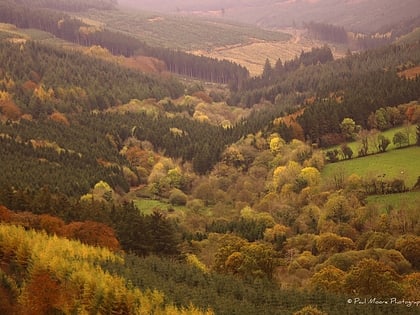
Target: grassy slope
406, 201
402, 163
183, 32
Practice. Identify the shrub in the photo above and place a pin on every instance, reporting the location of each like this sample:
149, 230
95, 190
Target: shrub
177, 197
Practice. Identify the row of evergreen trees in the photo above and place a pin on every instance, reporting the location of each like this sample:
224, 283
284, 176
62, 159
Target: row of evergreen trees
327, 32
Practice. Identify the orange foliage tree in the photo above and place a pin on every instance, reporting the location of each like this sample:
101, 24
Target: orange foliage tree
42, 295
92, 233
88, 232
10, 110
60, 118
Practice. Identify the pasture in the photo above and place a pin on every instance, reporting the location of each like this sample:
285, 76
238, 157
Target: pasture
394, 164
406, 201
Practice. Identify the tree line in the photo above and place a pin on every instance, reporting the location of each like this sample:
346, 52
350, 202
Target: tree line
327, 32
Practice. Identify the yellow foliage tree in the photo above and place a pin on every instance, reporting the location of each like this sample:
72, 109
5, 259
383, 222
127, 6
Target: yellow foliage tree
370, 277
311, 175
43, 94
329, 243
276, 144
328, 278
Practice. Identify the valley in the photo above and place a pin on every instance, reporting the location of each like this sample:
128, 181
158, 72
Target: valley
163, 160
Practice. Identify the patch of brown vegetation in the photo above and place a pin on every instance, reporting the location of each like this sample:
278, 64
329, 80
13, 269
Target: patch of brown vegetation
156, 19
104, 162
9, 109
145, 64
60, 118
411, 73
30, 86
289, 119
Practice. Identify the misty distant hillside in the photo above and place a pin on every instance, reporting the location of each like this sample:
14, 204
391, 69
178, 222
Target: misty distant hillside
354, 15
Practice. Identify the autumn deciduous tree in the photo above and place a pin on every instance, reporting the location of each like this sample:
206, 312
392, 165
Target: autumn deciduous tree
332, 243
60, 118
409, 246
9, 109
42, 295
51, 224
229, 245
311, 175
307, 221
363, 137
338, 209
8, 294
5, 214
92, 233
370, 277
177, 197
411, 284
348, 128
253, 260
328, 278
276, 143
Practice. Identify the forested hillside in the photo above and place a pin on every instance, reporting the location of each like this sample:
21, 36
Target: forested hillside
365, 16
351, 87
121, 192
75, 30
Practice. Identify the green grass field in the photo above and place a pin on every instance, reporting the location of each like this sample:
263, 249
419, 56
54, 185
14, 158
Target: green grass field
147, 206
406, 201
402, 164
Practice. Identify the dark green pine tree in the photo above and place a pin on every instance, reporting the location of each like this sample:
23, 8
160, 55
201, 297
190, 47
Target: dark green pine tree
133, 231
267, 71
162, 234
